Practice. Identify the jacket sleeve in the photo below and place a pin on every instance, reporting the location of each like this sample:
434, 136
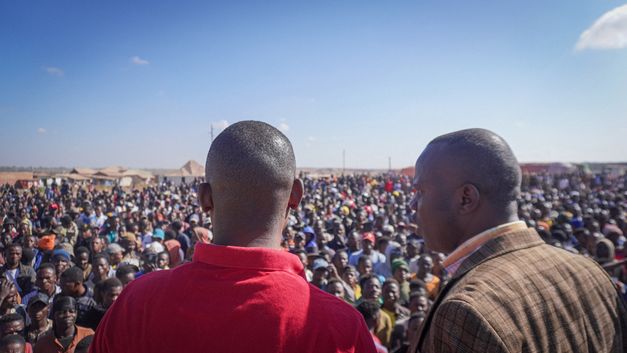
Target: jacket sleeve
458, 327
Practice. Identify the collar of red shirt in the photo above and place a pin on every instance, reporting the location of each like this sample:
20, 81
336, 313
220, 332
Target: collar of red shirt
248, 258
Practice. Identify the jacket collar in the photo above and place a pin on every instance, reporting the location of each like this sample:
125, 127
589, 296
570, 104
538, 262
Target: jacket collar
522, 239
498, 246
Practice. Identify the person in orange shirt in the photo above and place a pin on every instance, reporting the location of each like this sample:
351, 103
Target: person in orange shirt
64, 335
425, 269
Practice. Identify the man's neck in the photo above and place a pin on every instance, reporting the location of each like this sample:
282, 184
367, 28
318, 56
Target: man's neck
266, 239
488, 224
13, 266
50, 291
62, 332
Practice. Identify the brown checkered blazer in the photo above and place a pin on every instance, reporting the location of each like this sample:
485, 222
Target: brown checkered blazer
518, 294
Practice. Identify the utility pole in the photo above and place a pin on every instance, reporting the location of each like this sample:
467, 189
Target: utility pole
343, 161
389, 164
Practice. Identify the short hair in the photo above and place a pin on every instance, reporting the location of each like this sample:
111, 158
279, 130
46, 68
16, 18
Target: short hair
82, 250
100, 256
13, 245
177, 226
12, 339
364, 279
73, 274
350, 268
390, 281
495, 170
61, 301
363, 258
251, 153
335, 280
368, 309
339, 251
47, 265
125, 270
108, 284
5, 319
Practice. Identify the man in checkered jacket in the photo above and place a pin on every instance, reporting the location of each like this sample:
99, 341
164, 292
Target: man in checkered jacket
509, 291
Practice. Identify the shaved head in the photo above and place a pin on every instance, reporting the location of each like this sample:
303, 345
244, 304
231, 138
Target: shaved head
252, 153
484, 159
251, 183
466, 182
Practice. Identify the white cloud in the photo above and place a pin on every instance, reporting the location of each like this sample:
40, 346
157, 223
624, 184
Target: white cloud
608, 32
139, 61
54, 71
311, 139
283, 127
41, 131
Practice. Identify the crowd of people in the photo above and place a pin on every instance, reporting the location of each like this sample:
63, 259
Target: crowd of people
68, 250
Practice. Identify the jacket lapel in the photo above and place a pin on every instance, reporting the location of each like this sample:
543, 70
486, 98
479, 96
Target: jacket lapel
495, 247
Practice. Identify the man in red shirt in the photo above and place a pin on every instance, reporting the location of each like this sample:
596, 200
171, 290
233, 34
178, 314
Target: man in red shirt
242, 293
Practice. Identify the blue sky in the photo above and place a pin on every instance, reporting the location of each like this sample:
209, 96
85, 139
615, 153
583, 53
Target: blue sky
139, 83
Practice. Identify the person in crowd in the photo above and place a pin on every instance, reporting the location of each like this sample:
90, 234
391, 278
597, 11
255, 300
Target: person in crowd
61, 260
82, 261
106, 293
65, 333
391, 295
126, 273
367, 249
116, 255
400, 272
72, 285
13, 344
45, 283
9, 299
101, 270
131, 254
97, 245
38, 311
371, 312
21, 275
425, 274
320, 268
173, 248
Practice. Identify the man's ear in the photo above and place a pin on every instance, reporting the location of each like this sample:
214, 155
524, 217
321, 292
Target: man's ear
468, 198
206, 197
296, 194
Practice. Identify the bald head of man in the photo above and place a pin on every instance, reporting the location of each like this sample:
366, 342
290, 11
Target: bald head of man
250, 185
466, 182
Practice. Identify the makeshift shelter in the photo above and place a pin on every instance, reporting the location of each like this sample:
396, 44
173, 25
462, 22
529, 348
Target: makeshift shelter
12, 178
190, 170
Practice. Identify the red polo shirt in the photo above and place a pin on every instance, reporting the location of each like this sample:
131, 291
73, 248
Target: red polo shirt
231, 299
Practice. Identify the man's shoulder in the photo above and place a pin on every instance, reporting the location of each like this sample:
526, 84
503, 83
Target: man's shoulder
83, 332
512, 283
331, 307
152, 281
